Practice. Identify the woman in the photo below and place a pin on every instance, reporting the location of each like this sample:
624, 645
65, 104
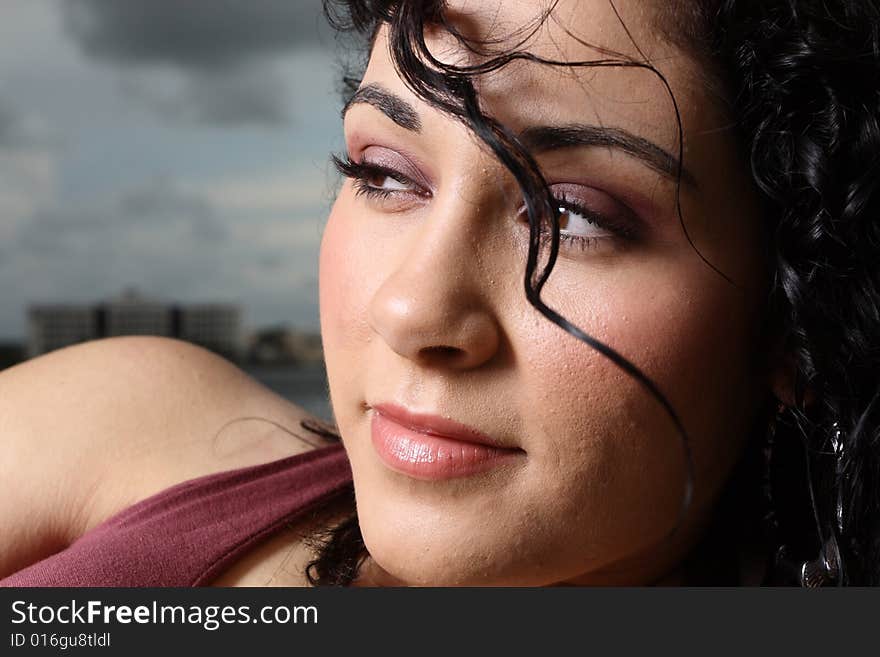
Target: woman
684, 393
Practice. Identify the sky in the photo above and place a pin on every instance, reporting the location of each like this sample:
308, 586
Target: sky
178, 147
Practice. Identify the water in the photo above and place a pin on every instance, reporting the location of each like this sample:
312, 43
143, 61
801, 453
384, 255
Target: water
305, 386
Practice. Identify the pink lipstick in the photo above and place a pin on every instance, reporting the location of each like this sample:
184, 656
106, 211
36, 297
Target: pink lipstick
431, 447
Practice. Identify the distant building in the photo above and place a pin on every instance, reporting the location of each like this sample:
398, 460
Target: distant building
214, 326
133, 314
53, 327
284, 346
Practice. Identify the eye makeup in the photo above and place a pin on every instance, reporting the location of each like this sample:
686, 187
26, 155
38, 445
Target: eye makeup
601, 216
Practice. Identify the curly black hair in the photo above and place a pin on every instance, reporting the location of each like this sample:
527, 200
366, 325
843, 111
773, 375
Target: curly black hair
804, 80
801, 81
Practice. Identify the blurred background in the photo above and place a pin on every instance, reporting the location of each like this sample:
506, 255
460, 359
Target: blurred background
164, 170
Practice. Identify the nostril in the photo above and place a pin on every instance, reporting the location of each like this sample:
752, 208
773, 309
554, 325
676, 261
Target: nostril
440, 353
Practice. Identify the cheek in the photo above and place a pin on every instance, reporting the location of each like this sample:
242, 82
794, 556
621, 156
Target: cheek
601, 430
344, 275
600, 444
684, 327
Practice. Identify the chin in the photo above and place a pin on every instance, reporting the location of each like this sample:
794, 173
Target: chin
422, 554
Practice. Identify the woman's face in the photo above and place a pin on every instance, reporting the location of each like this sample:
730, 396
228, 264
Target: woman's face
423, 307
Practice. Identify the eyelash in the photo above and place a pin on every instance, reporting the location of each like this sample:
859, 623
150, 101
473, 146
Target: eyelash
362, 172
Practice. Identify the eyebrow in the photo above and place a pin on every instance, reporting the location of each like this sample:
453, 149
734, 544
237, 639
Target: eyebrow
544, 138
538, 139
391, 105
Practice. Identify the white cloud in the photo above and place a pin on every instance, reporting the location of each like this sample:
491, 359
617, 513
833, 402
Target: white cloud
276, 210
295, 189
23, 20
27, 181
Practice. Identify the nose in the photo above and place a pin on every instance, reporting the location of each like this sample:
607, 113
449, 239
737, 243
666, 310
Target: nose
432, 308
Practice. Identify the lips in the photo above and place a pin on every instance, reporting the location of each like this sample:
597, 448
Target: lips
431, 447
434, 425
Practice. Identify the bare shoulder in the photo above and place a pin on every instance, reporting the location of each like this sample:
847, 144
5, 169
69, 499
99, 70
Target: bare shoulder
90, 429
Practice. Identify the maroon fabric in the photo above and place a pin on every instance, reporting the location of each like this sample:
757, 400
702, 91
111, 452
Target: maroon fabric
190, 533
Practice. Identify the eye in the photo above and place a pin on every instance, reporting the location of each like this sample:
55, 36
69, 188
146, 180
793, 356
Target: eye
376, 180
386, 182
589, 219
576, 220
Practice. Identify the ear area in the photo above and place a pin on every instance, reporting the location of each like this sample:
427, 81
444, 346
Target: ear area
787, 384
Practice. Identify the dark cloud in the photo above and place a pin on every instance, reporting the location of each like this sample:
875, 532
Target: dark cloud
160, 201
55, 232
258, 96
255, 98
8, 124
225, 52
120, 225
193, 34
19, 130
273, 261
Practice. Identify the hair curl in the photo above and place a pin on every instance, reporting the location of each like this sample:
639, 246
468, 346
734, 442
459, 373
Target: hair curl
801, 79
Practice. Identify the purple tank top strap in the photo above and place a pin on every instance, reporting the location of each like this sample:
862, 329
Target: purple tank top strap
190, 533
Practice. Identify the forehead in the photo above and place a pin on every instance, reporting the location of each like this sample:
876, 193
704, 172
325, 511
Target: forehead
571, 28
608, 91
